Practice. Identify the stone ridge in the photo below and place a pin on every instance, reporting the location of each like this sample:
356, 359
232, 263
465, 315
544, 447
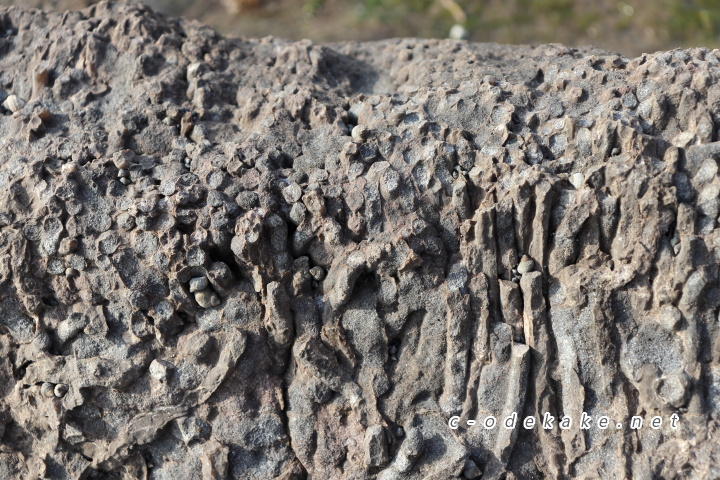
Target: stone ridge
258, 259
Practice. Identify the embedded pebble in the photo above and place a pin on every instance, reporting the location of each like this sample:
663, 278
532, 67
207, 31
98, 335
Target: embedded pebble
197, 284
207, 299
160, 370
42, 341
577, 179
526, 265
71, 272
292, 193
376, 454
68, 168
122, 159
197, 345
318, 273
671, 317
360, 133
471, 470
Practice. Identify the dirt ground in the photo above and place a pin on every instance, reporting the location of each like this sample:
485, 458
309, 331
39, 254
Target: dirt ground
630, 27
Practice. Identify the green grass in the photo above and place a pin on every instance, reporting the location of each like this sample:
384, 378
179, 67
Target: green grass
628, 26
694, 20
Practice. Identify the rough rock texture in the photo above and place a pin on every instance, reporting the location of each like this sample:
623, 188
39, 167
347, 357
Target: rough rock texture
235, 258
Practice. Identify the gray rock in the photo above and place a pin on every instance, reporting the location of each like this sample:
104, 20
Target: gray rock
292, 193
673, 389
670, 318
42, 341
297, 213
197, 345
220, 275
160, 370
577, 179
318, 273
376, 454
410, 450
193, 429
198, 284
471, 470
71, 326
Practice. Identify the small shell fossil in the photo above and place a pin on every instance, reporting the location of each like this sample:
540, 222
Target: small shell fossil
14, 103
47, 389
60, 390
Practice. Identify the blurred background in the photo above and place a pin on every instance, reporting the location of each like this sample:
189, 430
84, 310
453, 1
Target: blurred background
630, 27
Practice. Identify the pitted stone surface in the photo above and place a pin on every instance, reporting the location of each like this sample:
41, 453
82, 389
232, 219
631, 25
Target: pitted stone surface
242, 258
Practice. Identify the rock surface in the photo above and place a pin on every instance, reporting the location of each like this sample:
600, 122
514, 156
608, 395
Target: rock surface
238, 258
